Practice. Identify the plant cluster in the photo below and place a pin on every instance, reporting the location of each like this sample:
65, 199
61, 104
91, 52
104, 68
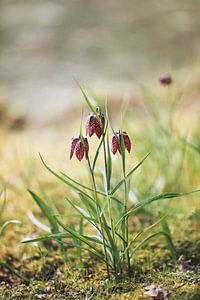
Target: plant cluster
102, 208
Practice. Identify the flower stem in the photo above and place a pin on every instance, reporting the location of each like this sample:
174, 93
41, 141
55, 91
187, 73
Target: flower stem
109, 205
125, 225
98, 208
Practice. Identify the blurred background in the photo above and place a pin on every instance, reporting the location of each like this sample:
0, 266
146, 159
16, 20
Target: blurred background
106, 45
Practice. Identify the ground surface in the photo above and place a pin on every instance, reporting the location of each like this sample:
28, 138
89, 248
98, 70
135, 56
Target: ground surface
39, 272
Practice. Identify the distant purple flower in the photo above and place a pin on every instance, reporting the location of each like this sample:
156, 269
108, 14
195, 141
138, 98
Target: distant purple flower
165, 80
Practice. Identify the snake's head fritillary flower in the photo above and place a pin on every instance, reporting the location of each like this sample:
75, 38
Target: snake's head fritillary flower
127, 141
116, 142
80, 147
93, 125
165, 80
90, 124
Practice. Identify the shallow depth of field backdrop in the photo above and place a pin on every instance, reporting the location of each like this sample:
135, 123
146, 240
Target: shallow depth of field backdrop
116, 50
108, 46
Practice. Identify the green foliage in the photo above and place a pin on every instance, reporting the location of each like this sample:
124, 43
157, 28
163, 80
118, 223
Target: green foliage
105, 210
7, 223
2, 231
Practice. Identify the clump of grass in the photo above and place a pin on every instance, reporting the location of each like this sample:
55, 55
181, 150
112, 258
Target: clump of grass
102, 208
2, 208
3, 228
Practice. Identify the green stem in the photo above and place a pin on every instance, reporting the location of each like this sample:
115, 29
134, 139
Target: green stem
125, 223
98, 208
105, 163
109, 203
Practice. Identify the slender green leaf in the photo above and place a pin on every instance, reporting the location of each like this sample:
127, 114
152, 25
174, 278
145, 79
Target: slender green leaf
108, 116
15, 272
84, 248
169, 239
47, 199
6, 224
83, 213
96, 240
129, 174
143, 203
91, 208
37, 223
123, 154
107, 229
109, 164
83, 186
90, 102
62, 179
46, 211
116, 200
194, 147
47, 238
99, 147
147, 239
142, 232
84, 239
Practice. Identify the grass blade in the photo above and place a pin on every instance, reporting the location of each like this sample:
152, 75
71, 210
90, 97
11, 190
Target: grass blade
15, 272
169, 239
150, 237
46, 211
88, 101
144, 231
99, 147
89, 206
37, 223
194, 147
47, 238
62, 179
83, 213
83, 186
84, 239
129, 174
109, 164
6, 224
143, 203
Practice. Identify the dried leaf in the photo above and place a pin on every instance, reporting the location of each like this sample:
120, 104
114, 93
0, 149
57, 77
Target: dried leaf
156, 293
181, 264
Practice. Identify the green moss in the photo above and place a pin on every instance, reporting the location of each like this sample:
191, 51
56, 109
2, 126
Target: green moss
50, 278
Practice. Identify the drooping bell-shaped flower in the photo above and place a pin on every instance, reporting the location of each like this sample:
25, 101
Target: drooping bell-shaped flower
117, 139
115, 145
165, 80
93, 124
80, 147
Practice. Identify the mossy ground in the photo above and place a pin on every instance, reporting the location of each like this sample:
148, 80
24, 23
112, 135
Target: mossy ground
48, 276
